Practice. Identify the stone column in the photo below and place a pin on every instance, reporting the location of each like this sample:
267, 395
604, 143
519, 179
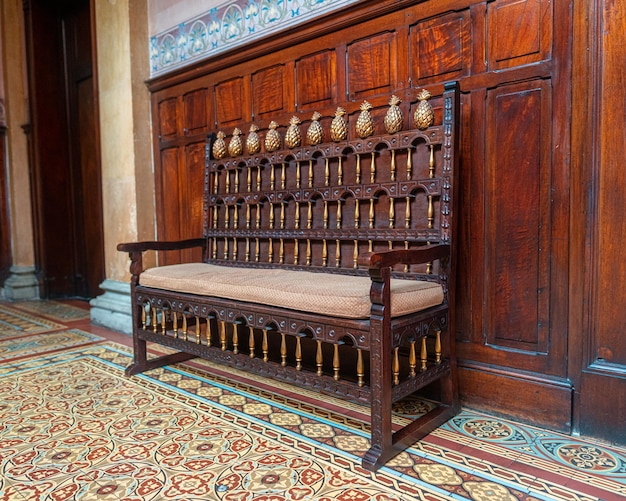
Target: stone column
125, 138
22, 283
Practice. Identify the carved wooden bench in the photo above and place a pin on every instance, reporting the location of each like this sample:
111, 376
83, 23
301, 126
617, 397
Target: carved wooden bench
327, 263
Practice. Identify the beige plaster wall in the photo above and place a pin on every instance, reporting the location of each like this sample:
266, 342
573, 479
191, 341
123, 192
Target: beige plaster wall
122, 55
165, 14
16, 115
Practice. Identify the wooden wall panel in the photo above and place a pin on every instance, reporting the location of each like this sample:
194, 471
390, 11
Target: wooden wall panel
441, 47
168, 125
229, 98
315, 80
520, 32
371, 65
268, 95
195, 112
518, 187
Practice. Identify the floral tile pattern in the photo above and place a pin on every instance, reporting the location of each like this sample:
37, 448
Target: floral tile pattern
72, 426
231, 25
17, 323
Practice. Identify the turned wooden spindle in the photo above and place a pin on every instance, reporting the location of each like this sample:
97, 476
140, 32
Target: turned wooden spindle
281, 251
153, 319
234, 248
226, 216
360, 368
215, 217
409, 163
324, 252
325, 222
392, 166
424, 355
296, 217
236, 216
396, 366
185, 331
319, 358
249, 179
431, 212
339, 215
412, 359
272, 178
227, 182
309, 217
257, 249
283, 350
355, 255
265, 346
392, 213
298, 175
247, 257
235, 338
237, 180
311, 173
407, 213
296, 249
371, 213
270, 251
175, 323
282, 215
337, 253
308, 252
326, 173
223, 340
271, 216
163, 321
225, 248
251, 345
373, 168
283, 176
340, 172
143, 317
248, 216
298, 353
336, 362
258, 216
258, 178
358, 169
431, 162
438, 347
214, 248
357, 213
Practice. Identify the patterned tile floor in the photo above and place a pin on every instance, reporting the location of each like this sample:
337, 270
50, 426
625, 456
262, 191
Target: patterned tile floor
73, 427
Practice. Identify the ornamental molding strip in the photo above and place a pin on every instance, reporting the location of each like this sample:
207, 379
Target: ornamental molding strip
231, 25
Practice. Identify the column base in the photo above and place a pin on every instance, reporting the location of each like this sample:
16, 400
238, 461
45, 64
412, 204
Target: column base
22, 284
112, 309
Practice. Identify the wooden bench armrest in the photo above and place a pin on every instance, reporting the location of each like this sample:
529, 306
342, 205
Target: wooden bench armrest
390, 258
161, 246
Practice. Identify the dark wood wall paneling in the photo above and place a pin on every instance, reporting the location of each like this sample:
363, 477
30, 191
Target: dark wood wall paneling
513, 61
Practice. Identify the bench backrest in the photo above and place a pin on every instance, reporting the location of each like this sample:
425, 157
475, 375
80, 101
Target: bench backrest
317, 206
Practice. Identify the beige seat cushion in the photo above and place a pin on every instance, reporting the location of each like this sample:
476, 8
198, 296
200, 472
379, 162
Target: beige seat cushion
324, 293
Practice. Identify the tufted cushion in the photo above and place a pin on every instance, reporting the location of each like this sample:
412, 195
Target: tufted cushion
324, 293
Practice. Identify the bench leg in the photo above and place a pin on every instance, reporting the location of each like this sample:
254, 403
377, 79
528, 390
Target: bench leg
140, 358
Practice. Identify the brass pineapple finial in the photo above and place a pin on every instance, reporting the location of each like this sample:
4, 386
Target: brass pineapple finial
235, 147
219, 146
365, 124
315, 132
292, 136
394, 118
339, 126
424, 115
253, 143
272, 138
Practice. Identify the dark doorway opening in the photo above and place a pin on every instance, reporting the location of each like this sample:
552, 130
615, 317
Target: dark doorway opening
64, 142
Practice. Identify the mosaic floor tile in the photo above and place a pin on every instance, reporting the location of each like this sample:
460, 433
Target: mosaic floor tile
41, 343
72, 426
14, 322
54, 309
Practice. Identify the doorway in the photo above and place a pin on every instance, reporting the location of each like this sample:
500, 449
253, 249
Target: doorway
64, 139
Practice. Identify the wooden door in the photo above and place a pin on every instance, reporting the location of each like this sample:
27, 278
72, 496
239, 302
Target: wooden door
66, 171
5, 228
